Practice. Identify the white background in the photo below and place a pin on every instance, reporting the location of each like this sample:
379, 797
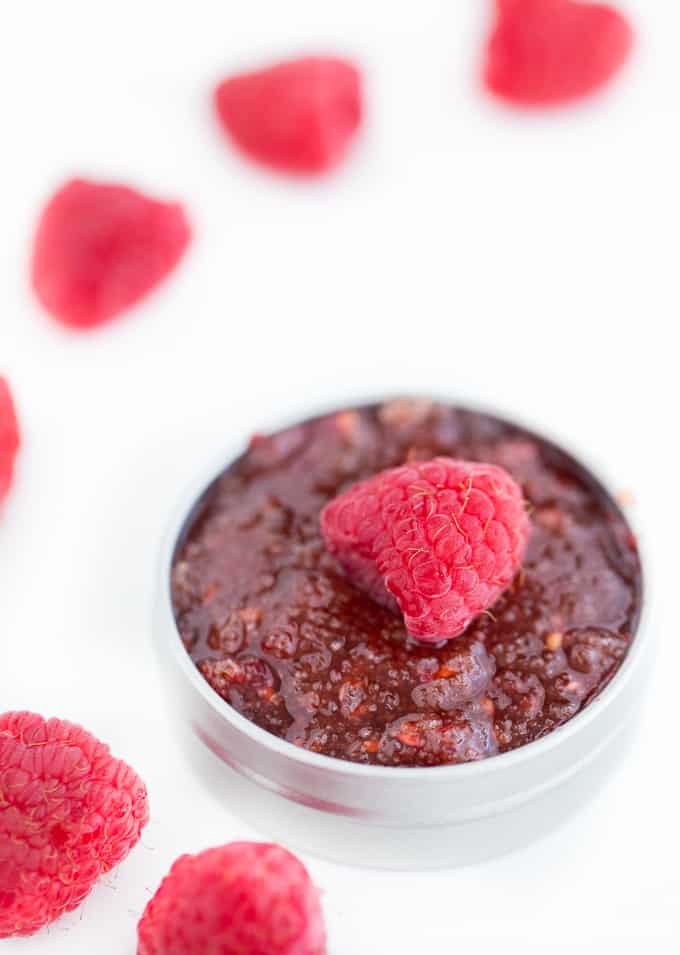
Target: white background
524, 262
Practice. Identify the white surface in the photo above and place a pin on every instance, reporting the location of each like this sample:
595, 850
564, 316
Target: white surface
528, 263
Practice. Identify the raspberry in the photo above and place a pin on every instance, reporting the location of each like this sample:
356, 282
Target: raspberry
546, 52
439, 540
518, 696
101, 248
463, 677
297, 117
69, 812
245, 898
9, 438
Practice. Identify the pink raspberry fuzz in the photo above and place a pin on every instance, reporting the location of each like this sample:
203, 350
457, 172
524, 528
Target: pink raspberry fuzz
245, 898
438, 540
69, 812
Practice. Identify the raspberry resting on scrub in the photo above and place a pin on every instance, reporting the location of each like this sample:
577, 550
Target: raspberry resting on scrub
297, 117
280, 632
437, 540
100, 248
69, 812
245, 898
548, 52
9, 438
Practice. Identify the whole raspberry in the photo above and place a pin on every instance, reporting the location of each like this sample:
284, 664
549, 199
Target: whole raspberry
438, 540
246, 898
9, 438
101, 248
546, 52
69, 812
297, 117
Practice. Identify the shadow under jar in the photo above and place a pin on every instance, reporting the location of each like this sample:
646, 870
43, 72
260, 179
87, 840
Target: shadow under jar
303, 684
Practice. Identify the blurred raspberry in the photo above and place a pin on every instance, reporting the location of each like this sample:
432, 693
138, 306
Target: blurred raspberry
439, 540
245, 898
546, 52
69, 812
9, 438
101, 248
297, 117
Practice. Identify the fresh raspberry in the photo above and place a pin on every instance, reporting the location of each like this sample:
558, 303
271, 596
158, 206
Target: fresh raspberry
439, 540
297, 117
101, 248
246, 898
546, 52
69, 812
9, 438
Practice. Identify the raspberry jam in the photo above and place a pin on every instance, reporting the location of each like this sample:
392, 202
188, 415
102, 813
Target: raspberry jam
277, 630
